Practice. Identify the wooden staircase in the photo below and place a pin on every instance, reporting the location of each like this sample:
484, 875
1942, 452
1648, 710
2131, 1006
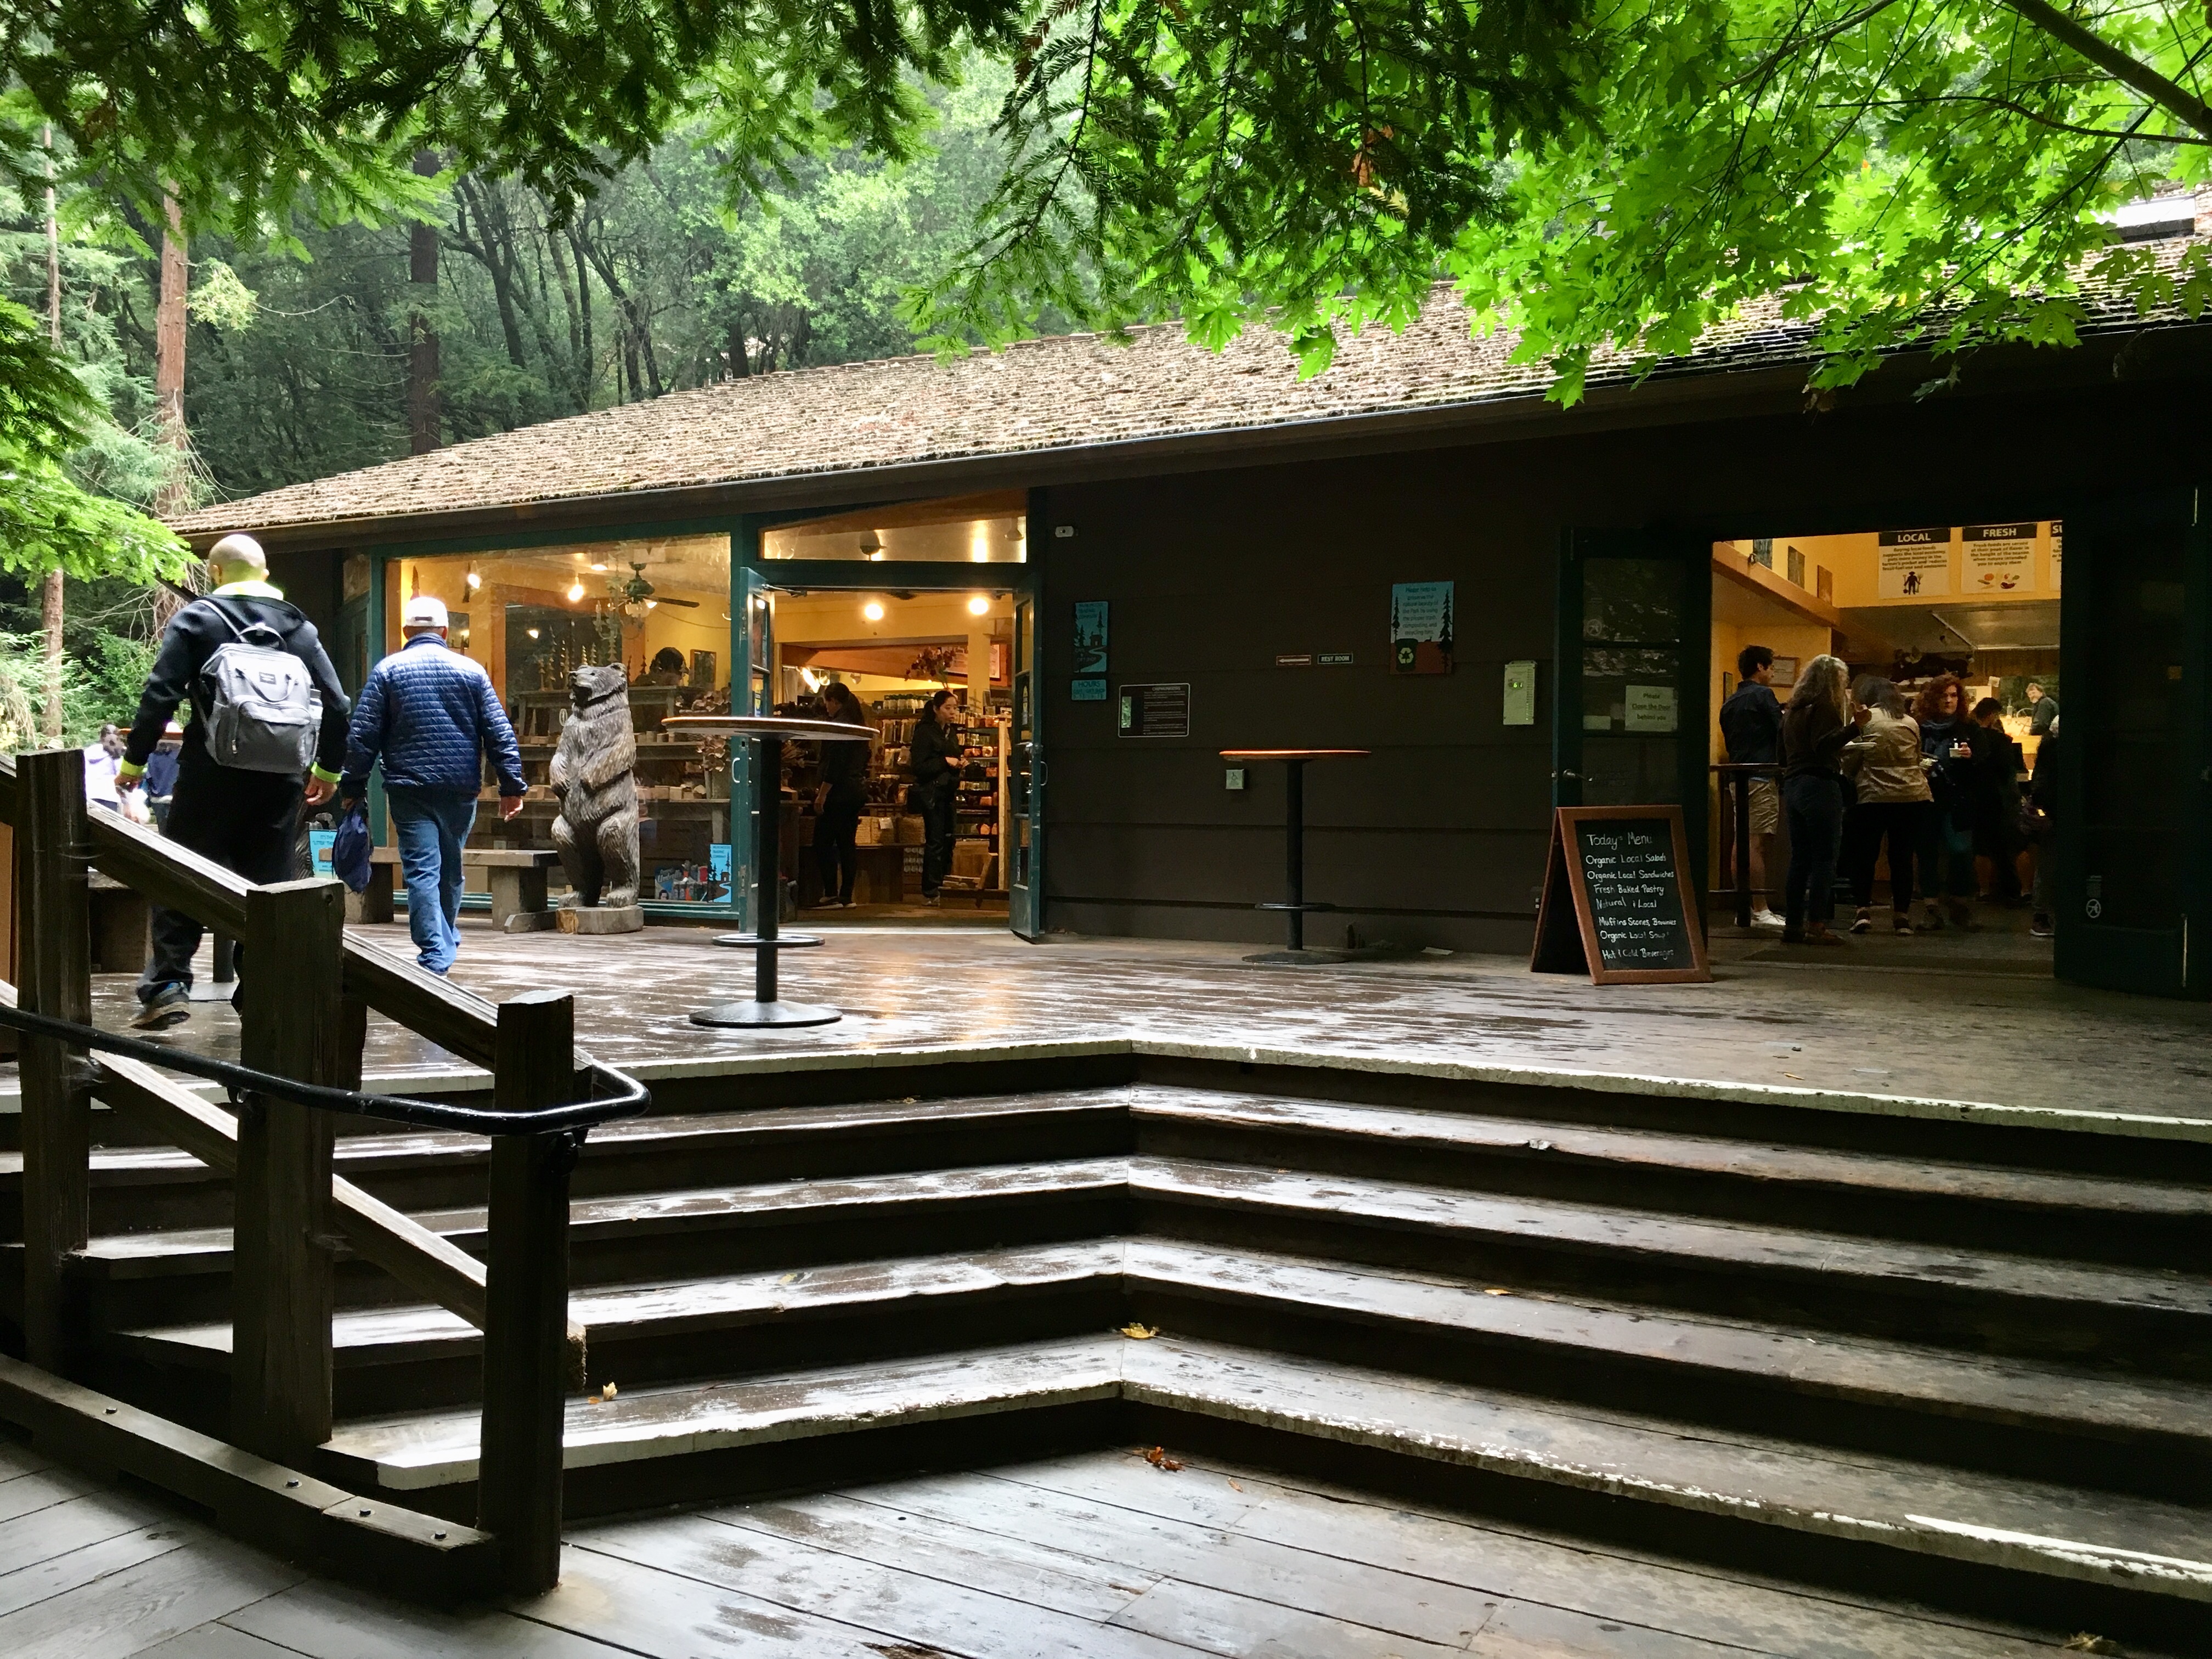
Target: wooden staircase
1966, 1364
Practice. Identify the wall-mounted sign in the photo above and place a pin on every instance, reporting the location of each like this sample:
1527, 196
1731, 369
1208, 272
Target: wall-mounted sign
1333, 659
1997, 558
1294, 659
1521, 693
2058, 551
1648, 709
1421, 628
1156, 711
1910, 563
1090, 658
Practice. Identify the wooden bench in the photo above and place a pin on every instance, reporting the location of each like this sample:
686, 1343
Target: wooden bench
516, 877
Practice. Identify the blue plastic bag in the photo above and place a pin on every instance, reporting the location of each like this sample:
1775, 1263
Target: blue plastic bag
349, 852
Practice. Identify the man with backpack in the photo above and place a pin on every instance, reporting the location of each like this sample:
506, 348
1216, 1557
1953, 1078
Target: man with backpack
268, 731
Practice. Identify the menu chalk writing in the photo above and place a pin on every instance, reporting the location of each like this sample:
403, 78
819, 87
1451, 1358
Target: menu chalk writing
1617, 902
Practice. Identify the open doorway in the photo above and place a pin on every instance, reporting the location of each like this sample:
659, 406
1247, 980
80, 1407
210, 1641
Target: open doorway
897, 651
1951, 636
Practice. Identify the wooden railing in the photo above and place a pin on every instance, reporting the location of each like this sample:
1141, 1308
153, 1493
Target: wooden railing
307, 989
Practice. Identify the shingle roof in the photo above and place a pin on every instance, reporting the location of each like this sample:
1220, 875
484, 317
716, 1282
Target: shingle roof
1040, 396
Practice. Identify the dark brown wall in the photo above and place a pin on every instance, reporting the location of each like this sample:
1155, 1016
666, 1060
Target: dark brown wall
1438, 838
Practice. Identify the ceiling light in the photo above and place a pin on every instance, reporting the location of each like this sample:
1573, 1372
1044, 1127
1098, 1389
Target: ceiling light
532, 632
979, 607
474, 581
575, 592
600, 565
649, 604
873, 610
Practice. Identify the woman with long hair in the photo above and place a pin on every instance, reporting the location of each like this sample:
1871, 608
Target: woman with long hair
1951, 746
1892, 802
838, 804
1819, 721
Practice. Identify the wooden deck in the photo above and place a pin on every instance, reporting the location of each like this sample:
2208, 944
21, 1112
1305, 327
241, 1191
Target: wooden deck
1102, 1555
1771, 1018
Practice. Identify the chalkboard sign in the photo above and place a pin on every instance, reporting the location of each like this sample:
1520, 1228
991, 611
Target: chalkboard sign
1618, 901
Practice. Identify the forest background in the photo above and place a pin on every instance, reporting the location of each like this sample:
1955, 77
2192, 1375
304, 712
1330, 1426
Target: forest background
298, 351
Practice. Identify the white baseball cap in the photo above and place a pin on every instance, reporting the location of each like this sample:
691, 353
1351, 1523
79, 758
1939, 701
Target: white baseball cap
423, 611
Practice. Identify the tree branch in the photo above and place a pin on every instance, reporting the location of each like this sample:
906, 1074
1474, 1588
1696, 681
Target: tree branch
2169, 96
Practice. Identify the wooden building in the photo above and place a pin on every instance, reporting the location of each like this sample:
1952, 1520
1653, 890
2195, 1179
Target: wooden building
1251, 535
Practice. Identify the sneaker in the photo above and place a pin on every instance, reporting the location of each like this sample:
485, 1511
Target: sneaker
1863, 922
1901, 922
2038, 925
1816, 933
1768, 919
169, 1006
1931, 920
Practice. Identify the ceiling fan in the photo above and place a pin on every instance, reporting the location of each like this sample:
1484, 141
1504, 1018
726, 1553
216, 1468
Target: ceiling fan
636, 591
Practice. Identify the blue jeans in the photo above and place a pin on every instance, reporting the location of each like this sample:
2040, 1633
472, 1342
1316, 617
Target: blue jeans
1815, 803
430, 825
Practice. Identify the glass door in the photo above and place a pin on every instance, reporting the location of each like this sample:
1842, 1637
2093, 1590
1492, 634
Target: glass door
1024, 853
2134, 759
1629, 711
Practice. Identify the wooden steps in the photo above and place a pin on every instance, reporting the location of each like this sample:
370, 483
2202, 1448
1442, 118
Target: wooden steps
2020, 1526
1862, 1338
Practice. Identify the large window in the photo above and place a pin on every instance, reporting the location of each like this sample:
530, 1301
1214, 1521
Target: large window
661, 608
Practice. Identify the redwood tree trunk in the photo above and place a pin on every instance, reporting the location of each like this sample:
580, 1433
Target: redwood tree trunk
49, 590
423, 403
169, 361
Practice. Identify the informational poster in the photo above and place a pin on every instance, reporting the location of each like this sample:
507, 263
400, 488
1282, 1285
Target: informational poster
1912, 564
1997, 558
1156, 711
1421, 628
1521, 693
2058, 551
320, 842
1650, 709
1090, 682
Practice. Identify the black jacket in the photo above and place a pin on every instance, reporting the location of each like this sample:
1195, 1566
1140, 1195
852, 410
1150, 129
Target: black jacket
933, 753
1751, 724
1813, 738
196, 633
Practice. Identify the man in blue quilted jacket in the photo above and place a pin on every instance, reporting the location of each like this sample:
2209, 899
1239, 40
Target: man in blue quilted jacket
432, 716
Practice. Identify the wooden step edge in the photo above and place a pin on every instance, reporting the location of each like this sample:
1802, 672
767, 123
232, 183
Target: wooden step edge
1593, 1148
1234, 1389
439, 1449
368, 1540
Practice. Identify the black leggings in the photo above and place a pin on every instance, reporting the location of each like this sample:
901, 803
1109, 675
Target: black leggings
1864, 826
837, 840
1815, 801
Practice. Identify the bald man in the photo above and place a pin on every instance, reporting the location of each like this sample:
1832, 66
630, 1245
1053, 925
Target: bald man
244, 821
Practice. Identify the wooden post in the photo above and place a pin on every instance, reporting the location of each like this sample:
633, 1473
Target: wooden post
54, 865
295, 1025
525, 1345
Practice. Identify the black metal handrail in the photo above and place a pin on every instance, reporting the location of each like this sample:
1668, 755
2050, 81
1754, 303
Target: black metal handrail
632, 1098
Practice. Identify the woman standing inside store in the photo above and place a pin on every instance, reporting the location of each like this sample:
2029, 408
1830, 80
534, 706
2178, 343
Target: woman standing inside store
1949, 743
842, 799
1893, 803
1819, 721
933, 757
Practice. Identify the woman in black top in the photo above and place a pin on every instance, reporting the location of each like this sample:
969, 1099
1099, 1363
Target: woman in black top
843, 795
933, 758
1819, 721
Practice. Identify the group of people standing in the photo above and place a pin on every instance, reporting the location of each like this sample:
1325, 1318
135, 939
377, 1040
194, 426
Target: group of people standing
932, 761
1933, 781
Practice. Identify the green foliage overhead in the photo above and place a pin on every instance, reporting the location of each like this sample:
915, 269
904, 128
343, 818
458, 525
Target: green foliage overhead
1604, 177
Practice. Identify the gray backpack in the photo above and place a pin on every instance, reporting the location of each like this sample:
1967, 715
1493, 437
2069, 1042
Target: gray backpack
262, 711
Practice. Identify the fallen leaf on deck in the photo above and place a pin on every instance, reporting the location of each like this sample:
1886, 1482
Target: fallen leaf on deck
2086, 1642
1141, 1333
1159, 1458
610, 1391
1497, 1291
1233, 1483
1793, 1076
788, 1278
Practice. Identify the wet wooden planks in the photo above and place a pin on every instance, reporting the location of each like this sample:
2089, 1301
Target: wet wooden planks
1098, 1553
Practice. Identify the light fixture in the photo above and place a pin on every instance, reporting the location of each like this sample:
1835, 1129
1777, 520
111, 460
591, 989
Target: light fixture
979, 607
649, 604
474, 581
532, 632
575, 592
600, 565
872, 548
873, 610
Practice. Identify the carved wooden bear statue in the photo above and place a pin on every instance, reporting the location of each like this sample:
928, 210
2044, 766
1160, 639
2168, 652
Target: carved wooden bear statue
592, 773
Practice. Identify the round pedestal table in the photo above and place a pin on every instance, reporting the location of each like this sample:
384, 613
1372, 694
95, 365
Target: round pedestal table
765, 735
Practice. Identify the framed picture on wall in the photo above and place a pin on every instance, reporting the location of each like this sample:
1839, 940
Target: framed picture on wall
1785, 671
703, 669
